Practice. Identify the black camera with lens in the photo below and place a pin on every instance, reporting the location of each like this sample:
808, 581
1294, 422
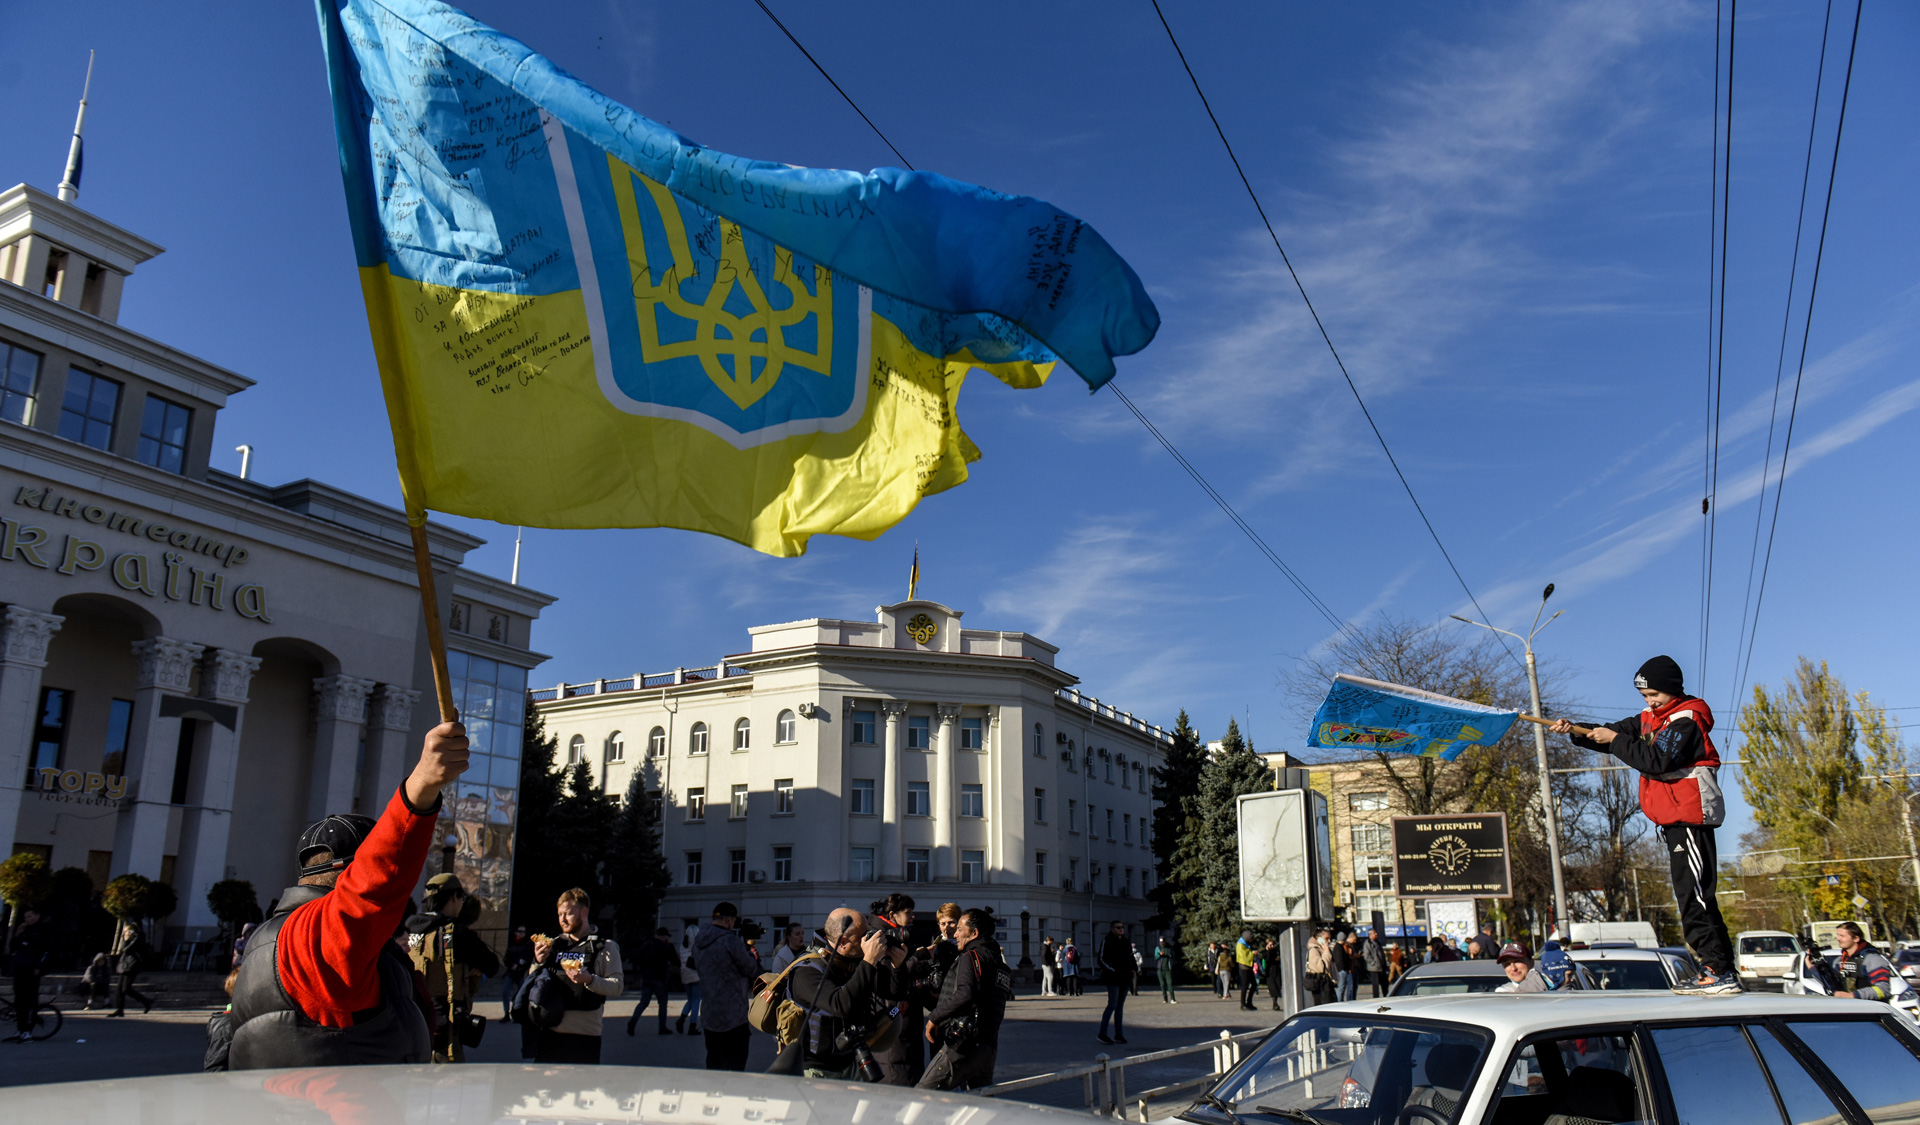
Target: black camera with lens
751, 931
854, 1038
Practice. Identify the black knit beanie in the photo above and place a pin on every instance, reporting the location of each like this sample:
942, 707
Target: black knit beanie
1661, 674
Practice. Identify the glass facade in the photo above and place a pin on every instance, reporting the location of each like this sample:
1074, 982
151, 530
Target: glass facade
484, 804
163, 435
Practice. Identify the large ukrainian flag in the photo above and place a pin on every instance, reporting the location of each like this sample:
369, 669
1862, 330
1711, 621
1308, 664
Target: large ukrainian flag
584, 319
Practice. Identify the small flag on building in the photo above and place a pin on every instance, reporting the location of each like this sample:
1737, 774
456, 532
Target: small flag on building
1369, 715
913, 576
584, 319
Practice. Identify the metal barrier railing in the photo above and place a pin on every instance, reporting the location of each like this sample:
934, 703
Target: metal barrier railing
1104, 1081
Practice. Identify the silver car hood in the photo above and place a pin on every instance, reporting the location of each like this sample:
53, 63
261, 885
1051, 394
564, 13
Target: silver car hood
481, 1094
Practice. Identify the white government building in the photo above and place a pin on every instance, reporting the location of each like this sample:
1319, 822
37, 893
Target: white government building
840, 760
194, 665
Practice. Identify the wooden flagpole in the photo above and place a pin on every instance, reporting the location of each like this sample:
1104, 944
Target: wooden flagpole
436, 638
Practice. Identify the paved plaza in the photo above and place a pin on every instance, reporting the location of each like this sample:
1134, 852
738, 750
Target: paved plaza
1042, 1034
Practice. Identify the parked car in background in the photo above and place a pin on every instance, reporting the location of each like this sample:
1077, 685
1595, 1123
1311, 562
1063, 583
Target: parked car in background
1620, 970
1575, 1056
1907, 961
1592, 933
1452, 978
1762, 957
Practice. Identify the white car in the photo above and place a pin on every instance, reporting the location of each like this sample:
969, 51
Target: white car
1564, 1057
1621, 970
1762, 957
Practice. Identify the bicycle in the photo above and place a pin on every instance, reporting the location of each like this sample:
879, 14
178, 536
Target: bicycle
46, 1019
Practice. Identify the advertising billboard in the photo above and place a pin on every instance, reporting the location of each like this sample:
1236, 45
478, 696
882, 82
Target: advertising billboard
1453, 856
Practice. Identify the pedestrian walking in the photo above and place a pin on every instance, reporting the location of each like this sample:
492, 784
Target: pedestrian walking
1375, 959
688, 1021
1244, 956
654, 961
1116, 967
728, 974
1139, 965
1223, 970
1049, 972
1340, 956
322, 982
513, 969
1669, 743
131, 953
1270, 968
1396, 963
1163, 966
1070, 967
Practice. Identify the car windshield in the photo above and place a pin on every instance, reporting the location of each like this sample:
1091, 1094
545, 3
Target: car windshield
1352, 1071
1907, 957
1437, 985
1628, 974
1770, 943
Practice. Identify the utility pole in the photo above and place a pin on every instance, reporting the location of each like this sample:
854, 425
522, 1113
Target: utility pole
1540, 753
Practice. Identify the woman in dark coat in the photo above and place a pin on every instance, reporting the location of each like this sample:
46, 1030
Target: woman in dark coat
131, 958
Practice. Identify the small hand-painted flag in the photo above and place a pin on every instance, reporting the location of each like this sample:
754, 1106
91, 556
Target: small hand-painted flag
584, 319
1369, 715
913, 576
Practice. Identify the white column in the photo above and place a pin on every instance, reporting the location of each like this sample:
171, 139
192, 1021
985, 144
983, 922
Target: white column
225, 678
153, 742
24, 636
339, 702
946, 864
389, 746
893, 793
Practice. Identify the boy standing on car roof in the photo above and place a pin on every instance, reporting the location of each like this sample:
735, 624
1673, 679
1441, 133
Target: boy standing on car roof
1679, 791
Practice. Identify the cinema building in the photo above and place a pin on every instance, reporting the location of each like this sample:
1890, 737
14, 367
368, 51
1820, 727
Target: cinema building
194, 665
838, 760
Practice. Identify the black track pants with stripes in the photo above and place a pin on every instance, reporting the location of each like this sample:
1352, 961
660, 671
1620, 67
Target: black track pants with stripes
1696, 865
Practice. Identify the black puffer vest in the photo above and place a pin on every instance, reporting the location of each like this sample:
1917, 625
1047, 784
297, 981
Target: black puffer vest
269, 1030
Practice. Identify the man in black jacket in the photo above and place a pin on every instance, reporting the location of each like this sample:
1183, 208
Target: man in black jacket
1116, 972
973, 1004
654, 961
30, 942
852, 990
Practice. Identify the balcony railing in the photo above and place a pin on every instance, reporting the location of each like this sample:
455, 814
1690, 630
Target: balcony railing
640, 681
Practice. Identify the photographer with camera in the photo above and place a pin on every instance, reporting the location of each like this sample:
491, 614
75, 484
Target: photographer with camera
903, 1061
973, 1004
727, 975
454, 961
849, 998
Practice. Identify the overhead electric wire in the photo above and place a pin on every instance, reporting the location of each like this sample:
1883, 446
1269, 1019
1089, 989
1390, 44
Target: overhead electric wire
1706, 434
1311, 311
1742, 641
1259, 543
1717, 388
1806, 333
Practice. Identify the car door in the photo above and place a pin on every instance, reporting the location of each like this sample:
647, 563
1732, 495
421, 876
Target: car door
1791, 1071
1577, 1075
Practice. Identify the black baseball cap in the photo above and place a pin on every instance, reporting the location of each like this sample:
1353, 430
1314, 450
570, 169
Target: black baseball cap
726, 910
342, 834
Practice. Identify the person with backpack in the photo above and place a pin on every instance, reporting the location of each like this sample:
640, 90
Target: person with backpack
452, 960
574, 974
848, 1002
1070, 967
973, 1005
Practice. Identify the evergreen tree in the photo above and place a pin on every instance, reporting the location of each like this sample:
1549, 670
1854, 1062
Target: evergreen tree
1174, 787
583, 827
1206, 857
636, 871
536, 850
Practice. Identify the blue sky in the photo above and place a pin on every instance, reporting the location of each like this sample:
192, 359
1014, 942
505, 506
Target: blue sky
1500, 211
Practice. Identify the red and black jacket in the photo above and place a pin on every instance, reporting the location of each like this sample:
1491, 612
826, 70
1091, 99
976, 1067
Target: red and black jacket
1679, 767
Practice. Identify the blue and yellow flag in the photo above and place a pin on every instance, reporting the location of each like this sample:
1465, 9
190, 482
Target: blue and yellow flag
584, 319
1371, 715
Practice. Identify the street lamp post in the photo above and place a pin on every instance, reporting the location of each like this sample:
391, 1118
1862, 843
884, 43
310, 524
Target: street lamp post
1540, 749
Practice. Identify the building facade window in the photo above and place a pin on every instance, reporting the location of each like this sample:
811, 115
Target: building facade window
782, 796
657, 742
1126, 782
785, 729
783, 863
973, 734
616, 748
693, 869
1139, 777
19, 383
1367, 802
1109, 824
1039, 869
737, 803
1040, 806
1126, 888
697, 739
736, 865
973, 865
919, 732
1073, 760
863, 728
1126, 827
860, 798
742, 736
1375, 876
697, 803
119, 733
1039, 741
1073, 873
88, 409
1109, 878
163, 434
50, 732
919, 798
860, 865
1106, 764
1073, 816
576, 749
973, 801
1371, 838
919, 865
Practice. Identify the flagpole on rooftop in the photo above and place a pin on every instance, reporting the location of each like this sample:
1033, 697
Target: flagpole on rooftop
69, 189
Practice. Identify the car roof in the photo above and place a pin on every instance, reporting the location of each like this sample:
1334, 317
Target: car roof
484, 1093
1761, 933
1617, 953
1520, 1014
1457, 969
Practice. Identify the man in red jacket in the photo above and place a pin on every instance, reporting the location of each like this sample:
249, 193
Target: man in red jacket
1679, 791
322, 983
